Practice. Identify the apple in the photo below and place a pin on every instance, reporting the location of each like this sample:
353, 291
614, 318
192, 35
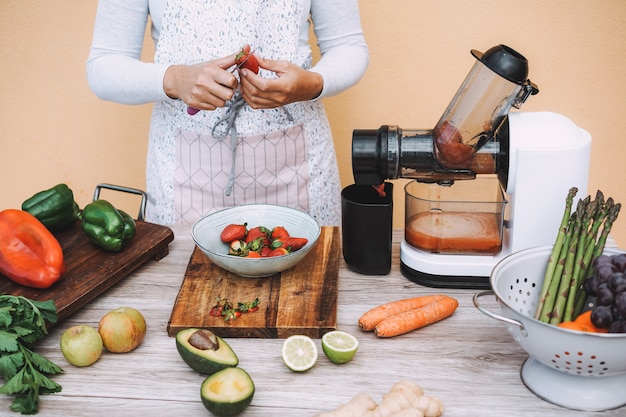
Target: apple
122, 329
81, 345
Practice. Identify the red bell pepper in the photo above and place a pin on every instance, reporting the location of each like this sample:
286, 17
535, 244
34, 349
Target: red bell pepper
29, 254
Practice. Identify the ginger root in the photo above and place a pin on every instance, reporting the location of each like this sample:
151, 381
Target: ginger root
361, 405
404, 399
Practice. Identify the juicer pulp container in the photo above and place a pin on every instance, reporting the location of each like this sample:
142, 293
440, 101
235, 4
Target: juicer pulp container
465, 218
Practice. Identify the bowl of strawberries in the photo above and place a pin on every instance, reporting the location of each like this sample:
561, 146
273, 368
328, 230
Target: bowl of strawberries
256, 240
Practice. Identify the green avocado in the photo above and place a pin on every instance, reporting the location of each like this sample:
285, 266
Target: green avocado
227, 392
204, 351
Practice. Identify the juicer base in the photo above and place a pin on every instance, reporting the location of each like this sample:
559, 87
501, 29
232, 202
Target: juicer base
585, 393
442, 281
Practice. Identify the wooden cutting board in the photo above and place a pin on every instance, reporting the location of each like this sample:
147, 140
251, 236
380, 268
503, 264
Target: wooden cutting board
91, 270
301, 300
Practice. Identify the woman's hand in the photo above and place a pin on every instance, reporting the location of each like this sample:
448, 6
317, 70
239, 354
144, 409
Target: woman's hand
204, 86
293, 84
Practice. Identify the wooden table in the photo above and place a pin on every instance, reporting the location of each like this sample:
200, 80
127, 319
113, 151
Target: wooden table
469, 360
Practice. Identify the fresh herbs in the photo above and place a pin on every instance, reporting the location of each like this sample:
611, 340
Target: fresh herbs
224, 308
25, 372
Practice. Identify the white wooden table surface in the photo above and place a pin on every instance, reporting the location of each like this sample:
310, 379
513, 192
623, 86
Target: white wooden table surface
469, 360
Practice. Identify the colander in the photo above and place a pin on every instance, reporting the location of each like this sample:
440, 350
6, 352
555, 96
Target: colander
569, 368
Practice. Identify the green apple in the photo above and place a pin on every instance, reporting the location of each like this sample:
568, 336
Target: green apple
81, 345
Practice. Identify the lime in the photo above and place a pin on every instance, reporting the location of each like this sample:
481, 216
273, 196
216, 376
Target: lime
339, 347
299, 353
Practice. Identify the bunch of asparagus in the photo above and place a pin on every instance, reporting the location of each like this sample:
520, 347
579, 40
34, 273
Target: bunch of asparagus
580, 240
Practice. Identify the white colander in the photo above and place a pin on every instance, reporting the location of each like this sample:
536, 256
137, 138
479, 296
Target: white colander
570, 368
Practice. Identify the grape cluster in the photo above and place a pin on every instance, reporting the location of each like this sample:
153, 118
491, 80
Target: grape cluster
608, 285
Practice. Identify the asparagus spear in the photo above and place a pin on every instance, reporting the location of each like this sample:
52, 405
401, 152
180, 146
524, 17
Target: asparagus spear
590, 210
564, 286
610, 219
555, 280
556, 251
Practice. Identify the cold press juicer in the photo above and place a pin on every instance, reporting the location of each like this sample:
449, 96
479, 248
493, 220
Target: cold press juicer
485, 182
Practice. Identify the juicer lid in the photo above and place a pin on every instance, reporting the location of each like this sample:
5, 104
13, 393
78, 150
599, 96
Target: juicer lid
505, 62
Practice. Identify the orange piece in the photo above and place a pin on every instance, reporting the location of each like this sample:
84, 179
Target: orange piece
584, 320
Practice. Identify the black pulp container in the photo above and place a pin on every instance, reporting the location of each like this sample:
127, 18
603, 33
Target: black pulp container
366, 228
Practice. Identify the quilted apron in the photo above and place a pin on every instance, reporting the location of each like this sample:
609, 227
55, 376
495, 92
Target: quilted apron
237, 155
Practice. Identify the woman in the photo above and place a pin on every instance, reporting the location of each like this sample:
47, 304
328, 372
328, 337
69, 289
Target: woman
259, 138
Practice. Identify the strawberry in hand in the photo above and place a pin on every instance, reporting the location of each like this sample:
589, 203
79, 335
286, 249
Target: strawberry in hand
249, 61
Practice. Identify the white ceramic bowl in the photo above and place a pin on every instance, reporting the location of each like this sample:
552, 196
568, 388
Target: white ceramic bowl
206, 233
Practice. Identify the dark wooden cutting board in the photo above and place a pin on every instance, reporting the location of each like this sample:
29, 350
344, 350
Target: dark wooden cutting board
91, 270
301, 300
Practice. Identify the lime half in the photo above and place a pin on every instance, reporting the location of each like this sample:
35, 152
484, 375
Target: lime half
339, 347
299, 353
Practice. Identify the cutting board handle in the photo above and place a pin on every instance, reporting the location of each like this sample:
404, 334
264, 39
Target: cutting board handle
144, 197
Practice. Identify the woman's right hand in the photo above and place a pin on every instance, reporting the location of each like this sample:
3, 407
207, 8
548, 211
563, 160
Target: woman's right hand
204, 86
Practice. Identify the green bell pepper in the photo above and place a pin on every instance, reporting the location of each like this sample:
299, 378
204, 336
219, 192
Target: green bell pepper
106, 226
55, 207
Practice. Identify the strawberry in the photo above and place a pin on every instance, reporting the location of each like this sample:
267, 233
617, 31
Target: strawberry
260, 233
290, 243
278, 252
250, 61
265, 251
238, 248
233, 232
278, 232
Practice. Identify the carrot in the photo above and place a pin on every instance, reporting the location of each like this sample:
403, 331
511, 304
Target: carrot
371, 318
414, 319
583, 323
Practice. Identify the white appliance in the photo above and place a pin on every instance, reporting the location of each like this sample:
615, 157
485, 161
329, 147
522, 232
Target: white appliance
537, 158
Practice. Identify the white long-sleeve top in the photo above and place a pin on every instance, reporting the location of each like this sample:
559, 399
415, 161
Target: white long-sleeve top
116, 73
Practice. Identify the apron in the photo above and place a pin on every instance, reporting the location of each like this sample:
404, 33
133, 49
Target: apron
237, 155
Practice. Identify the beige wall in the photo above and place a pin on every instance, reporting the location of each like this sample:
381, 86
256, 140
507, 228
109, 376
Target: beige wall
54, 130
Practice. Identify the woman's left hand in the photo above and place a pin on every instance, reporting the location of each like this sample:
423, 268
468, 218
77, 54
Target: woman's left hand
293, 84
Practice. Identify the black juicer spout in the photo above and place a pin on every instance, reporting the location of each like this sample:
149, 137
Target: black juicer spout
389, 153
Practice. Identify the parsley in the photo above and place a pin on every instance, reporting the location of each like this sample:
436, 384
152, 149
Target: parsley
25, 372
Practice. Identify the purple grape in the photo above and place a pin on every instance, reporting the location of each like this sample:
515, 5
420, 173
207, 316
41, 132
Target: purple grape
602, 259
615, 313
591, 286
618, 326
617, 282
604, 295
603, 272
619, 261
620, 303
601, 316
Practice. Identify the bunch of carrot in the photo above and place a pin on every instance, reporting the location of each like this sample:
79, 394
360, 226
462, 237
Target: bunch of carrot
402, 316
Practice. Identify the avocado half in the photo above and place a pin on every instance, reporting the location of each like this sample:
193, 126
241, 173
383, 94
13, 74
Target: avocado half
204, 351
227, 392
